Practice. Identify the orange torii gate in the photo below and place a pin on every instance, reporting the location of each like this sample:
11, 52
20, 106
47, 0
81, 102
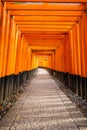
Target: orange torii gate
35, 30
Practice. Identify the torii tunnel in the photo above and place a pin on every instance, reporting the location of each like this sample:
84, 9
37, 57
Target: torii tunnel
51, 34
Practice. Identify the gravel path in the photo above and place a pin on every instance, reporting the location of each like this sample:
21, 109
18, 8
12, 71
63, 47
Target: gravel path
44, 106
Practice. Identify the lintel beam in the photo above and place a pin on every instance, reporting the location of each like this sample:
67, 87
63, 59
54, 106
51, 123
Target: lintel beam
45, 13
45, 32
44, 38
60, 1
43, 23
42, 45
46, 19
46, 7
23, 30
46, 26
45, 51
33, 47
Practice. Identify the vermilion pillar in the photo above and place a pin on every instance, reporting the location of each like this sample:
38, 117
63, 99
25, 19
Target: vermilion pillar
5, 93
18, 53
2, 34
29, 57
78, 49
10, 57
82, 46
6, 37
2, 44
74, 48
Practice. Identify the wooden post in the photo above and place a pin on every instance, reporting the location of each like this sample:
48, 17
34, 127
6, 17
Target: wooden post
15, 47
10, 57
2, 44
20, 54
82, 42
29, 57
78, 50
78, 53
56, 60
83, 54
85, 30
14, 59
9, 67
5, 55
71, 51
2, 37
6, 42
53, 60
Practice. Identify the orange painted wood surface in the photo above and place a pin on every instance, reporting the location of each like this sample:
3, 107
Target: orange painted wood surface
2, 36
6, 43
52, 35
62, 1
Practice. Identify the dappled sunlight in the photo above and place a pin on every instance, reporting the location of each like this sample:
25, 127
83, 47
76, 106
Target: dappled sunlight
45, 107
42, 71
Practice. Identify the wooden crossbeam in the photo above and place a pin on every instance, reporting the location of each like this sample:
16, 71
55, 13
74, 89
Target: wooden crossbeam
44, 37
23, 30
42, 56
43, 53
47, 40
37, 52
43, 23
34, 47
46, 7
45, 26
61, 1
43, 45
45, 13
38, 43
45, 33
46, 18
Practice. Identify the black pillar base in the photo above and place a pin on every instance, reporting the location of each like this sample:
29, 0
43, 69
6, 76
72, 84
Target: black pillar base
74, 82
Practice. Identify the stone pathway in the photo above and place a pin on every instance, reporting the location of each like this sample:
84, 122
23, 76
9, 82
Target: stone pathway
43, 106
